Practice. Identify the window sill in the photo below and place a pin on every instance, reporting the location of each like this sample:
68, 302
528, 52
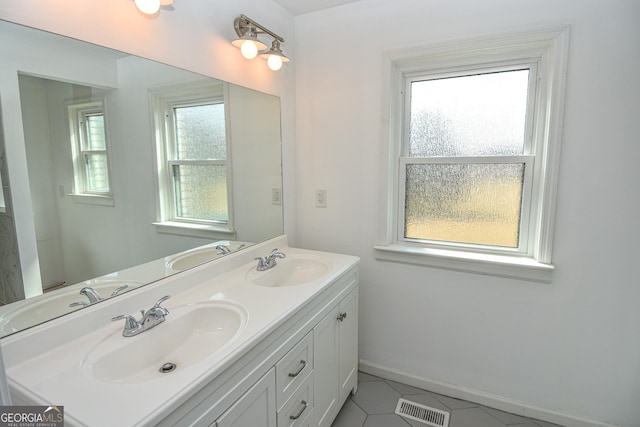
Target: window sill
195, 230
92, 199
486, 264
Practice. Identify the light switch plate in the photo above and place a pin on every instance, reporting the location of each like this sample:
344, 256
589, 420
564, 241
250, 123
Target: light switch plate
321, 198
276, 196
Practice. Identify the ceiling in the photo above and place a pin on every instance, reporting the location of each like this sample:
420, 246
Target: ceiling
300, 7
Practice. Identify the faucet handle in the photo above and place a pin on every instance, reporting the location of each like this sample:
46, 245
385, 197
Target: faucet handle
276, 254
118, 290
157, 306
79, 304
160, 301
131, 322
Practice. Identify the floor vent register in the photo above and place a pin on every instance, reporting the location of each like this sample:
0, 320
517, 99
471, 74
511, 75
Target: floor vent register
424, 414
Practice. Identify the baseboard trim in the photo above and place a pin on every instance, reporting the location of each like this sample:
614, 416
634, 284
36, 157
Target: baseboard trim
480, 397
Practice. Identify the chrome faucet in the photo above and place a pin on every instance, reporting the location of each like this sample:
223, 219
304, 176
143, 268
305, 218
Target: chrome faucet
91, 293
224, 250
269, 261
94, 296
150, 319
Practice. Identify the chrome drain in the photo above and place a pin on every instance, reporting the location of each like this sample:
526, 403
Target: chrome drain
168, 367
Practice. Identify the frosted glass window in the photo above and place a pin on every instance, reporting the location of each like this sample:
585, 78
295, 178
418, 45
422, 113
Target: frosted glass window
95, 154
198, 162
200, 132
95, 132
464, 203
200, 192
97, 173
474, 115
87, 122
451, 195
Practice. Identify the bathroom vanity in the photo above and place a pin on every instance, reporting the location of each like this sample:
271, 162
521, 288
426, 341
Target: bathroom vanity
239, 347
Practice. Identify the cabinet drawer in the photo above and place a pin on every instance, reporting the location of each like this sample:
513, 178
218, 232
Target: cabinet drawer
293, 368
296, 411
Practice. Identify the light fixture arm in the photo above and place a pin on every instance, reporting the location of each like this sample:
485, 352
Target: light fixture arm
243, 23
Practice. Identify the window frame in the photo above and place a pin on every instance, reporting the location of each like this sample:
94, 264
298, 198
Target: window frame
545, 53
77, 112
527, 157
164, 100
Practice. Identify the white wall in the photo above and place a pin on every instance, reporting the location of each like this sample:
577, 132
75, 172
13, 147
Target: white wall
571, 347
40, 158
255, 163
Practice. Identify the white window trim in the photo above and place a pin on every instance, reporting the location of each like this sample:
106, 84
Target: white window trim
549, 49
162, 100
195, 230
79, 194
3, 205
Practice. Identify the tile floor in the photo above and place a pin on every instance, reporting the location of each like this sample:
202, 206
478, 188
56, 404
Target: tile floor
375, 402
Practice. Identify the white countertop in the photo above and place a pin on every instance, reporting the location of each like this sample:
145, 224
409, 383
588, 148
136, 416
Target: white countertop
58, 375
32, 311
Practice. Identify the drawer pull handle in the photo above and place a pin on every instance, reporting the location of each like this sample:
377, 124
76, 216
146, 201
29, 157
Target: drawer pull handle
299, 414
342, 316
303, 364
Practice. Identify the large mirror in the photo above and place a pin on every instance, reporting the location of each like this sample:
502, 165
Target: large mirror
135, 170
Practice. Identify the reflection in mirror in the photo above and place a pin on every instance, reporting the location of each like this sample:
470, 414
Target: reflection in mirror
3, 207
131, 164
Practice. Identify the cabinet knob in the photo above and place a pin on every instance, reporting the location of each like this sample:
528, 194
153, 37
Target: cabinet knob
342, 316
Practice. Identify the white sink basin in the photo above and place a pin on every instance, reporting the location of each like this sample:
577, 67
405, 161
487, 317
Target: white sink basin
189, 334
201, 255
291, 271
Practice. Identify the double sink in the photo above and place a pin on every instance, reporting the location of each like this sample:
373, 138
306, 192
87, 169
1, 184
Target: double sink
218, 313
192, 332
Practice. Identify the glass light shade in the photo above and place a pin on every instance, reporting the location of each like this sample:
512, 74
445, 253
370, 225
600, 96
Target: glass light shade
274, 62
274, 56
166, 2
249, 49
248, 43
148, 7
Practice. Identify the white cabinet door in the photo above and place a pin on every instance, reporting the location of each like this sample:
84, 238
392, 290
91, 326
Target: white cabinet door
335, 349
256, 408
326, 380
348, 345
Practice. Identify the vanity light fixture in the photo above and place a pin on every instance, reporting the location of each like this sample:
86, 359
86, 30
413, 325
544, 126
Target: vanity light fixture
151, 7
248, 30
